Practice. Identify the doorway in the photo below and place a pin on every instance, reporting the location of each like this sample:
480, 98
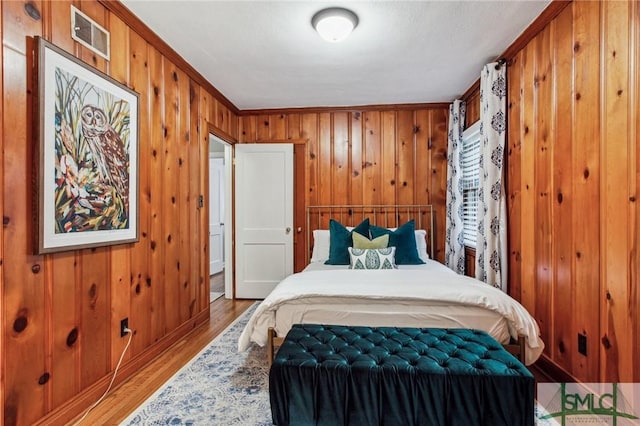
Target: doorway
220, 221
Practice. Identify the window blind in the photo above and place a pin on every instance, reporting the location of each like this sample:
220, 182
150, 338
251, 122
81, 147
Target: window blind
470, 159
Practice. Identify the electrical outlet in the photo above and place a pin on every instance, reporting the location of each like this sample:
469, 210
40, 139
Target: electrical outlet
582, 344
124, 324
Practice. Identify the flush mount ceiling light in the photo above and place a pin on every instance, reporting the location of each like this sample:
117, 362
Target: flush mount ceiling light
335, 23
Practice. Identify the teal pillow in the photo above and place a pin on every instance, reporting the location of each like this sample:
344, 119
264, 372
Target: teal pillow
340, 241
404, 240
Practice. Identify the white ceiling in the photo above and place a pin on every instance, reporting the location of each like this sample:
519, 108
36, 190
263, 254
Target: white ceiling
266, 54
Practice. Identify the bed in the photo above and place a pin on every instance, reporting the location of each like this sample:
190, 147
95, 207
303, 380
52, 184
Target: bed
425, 294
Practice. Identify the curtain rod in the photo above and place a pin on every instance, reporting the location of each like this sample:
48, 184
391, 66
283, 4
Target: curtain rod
501, 62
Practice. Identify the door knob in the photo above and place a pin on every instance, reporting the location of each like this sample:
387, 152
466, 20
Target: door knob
299, 229
288, 230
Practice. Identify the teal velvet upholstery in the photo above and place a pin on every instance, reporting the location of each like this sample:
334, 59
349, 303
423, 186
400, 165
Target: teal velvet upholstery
404, 240
339, 375
340, 240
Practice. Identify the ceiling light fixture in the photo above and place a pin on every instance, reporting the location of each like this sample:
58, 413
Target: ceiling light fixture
335, 23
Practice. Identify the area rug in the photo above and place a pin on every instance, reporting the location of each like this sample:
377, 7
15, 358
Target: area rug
220, 386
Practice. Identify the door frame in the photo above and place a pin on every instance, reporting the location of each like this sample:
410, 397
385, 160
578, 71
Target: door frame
229, 263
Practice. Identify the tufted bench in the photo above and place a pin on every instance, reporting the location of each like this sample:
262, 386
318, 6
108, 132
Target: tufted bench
345, 375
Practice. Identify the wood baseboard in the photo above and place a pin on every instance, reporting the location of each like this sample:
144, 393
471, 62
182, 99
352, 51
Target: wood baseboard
74, 407
553, 371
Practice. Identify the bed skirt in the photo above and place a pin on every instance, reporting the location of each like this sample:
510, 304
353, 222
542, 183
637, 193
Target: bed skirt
340, 375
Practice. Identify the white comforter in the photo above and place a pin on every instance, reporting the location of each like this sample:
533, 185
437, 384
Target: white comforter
422, 286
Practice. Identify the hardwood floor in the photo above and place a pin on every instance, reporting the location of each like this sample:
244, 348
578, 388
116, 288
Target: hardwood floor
124, 399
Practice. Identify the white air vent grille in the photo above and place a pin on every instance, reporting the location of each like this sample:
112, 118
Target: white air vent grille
87, 32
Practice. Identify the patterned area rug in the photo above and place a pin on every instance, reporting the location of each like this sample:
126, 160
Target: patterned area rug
220, 386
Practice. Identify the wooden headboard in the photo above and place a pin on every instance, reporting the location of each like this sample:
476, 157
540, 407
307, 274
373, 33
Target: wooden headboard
387, 216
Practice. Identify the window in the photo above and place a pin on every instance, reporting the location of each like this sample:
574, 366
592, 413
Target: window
470, 182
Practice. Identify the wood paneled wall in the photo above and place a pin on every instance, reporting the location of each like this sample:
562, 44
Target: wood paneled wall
574, 174
61, 312
372, 156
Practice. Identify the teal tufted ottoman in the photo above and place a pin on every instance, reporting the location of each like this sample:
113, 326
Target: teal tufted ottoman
342, 375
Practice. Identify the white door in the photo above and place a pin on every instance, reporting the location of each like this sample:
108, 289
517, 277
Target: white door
216, 215
264, 217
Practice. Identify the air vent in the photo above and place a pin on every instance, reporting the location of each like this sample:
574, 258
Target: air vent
87, 32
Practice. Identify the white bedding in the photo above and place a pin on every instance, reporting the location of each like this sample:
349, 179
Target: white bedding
429, 295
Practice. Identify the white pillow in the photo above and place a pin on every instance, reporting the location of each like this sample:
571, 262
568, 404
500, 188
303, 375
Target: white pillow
383, 258
421, 244
321, 240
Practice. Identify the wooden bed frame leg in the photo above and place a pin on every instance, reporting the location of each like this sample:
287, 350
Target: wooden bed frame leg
271, 333
523, 348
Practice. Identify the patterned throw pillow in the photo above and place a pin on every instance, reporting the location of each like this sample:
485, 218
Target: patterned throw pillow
383, 258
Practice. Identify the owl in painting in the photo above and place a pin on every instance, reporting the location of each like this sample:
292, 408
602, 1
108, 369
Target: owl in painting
107, 151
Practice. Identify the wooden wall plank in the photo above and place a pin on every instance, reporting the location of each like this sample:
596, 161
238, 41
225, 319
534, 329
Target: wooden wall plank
186, 222
249, 131
309, 131
24, 274
405, 155
543, 151
513, 182
299, 217
263, 128
3, 337
202, 229
473, 107
120, 271
616, 350
293, 129
356, 162
527, 175
563, 344
277, 127
341, 181
95, 303
156, 162
634, 169
586, 176
194, 190
439, 131
169, 201
421, 181
60, 17
140, 285
388, 166
372, 151
325, 157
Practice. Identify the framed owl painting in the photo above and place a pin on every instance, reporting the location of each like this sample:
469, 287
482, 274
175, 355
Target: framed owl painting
87, 153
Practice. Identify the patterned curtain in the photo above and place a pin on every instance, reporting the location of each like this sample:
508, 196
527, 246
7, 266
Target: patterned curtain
454, 244
491, 243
